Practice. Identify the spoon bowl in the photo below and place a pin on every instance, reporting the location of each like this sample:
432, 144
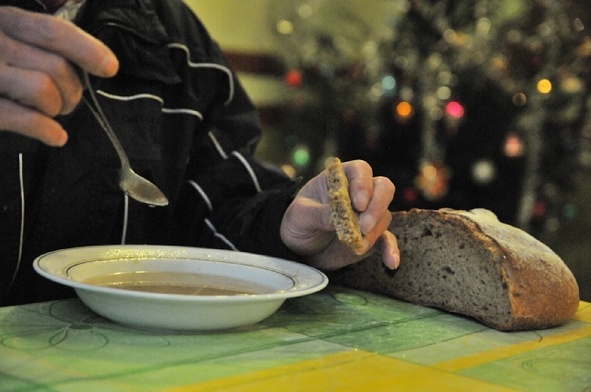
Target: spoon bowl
140, 189
134, 185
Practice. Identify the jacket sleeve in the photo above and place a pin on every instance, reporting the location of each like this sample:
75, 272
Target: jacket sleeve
230, 199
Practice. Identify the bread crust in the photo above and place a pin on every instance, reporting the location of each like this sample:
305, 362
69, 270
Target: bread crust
499, 274
542, 290
344, 217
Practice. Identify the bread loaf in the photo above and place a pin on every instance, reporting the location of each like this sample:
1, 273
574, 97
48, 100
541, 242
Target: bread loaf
469, 263
344, 217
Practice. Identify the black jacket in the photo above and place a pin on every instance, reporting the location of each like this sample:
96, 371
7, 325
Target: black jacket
186, 124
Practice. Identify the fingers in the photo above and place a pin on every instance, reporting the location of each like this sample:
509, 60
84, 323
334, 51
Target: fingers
380, 227
60, 37
35, 90
371, 197
31, 123
360, 177
382, 194
390, 251
38, 80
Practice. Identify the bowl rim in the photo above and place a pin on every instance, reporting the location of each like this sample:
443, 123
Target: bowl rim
55, 264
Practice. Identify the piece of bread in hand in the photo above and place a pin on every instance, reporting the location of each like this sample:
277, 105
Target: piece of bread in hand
344, 217
469, 263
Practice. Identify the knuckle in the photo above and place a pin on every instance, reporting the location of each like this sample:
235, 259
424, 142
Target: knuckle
8, 48
50, 99
385, 183
388, 218
362, 165
59, 65
35, 121
65, 81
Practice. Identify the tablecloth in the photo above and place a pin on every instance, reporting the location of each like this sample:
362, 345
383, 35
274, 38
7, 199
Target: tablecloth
335, 340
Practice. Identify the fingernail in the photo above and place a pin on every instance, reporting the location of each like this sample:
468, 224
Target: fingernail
393, 261
361, 200
367, 223
396, 258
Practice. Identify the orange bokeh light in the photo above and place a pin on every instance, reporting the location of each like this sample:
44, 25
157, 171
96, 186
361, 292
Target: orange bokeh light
404, 110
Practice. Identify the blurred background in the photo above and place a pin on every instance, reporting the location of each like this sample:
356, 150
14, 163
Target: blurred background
463, 104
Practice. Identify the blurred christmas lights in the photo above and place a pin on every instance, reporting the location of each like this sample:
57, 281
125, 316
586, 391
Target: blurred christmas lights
404, 110
294, 78
513, 147
510, 85
454, 109
544, 86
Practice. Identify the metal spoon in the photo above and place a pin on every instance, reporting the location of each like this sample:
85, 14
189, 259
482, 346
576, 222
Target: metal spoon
130, 182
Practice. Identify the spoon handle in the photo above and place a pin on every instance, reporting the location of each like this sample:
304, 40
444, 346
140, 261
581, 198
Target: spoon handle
97, 112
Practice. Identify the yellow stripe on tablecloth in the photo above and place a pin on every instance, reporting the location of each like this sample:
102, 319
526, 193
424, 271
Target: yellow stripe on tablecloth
346, 371
362, 370
584, 312
471, 361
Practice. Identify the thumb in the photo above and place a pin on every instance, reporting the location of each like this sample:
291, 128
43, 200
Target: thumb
305, 216
324, 218
312, 215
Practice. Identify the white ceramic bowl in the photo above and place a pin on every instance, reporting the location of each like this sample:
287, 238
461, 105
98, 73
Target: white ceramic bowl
79, 267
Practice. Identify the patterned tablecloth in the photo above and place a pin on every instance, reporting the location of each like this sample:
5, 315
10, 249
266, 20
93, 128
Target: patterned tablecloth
338, 339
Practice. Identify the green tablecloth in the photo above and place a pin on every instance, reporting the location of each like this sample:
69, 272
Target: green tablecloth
338, 339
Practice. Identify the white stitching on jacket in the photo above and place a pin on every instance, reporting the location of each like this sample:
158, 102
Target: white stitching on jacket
183, 111
207, 221
191, 64
217, 145
130, 97
125, 218
202, 193
219, 235
248, 168
22, 228
191, 112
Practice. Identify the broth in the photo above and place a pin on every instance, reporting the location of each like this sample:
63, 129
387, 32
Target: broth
179, 283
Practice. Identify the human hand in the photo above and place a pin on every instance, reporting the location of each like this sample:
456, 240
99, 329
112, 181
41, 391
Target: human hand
38, 80
307, 227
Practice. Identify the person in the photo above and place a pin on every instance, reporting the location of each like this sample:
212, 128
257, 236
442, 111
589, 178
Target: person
186, 124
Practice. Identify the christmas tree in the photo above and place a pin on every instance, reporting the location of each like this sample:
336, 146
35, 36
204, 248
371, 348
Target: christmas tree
463, 104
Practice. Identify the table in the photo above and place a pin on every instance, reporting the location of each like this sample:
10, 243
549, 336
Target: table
337, 339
